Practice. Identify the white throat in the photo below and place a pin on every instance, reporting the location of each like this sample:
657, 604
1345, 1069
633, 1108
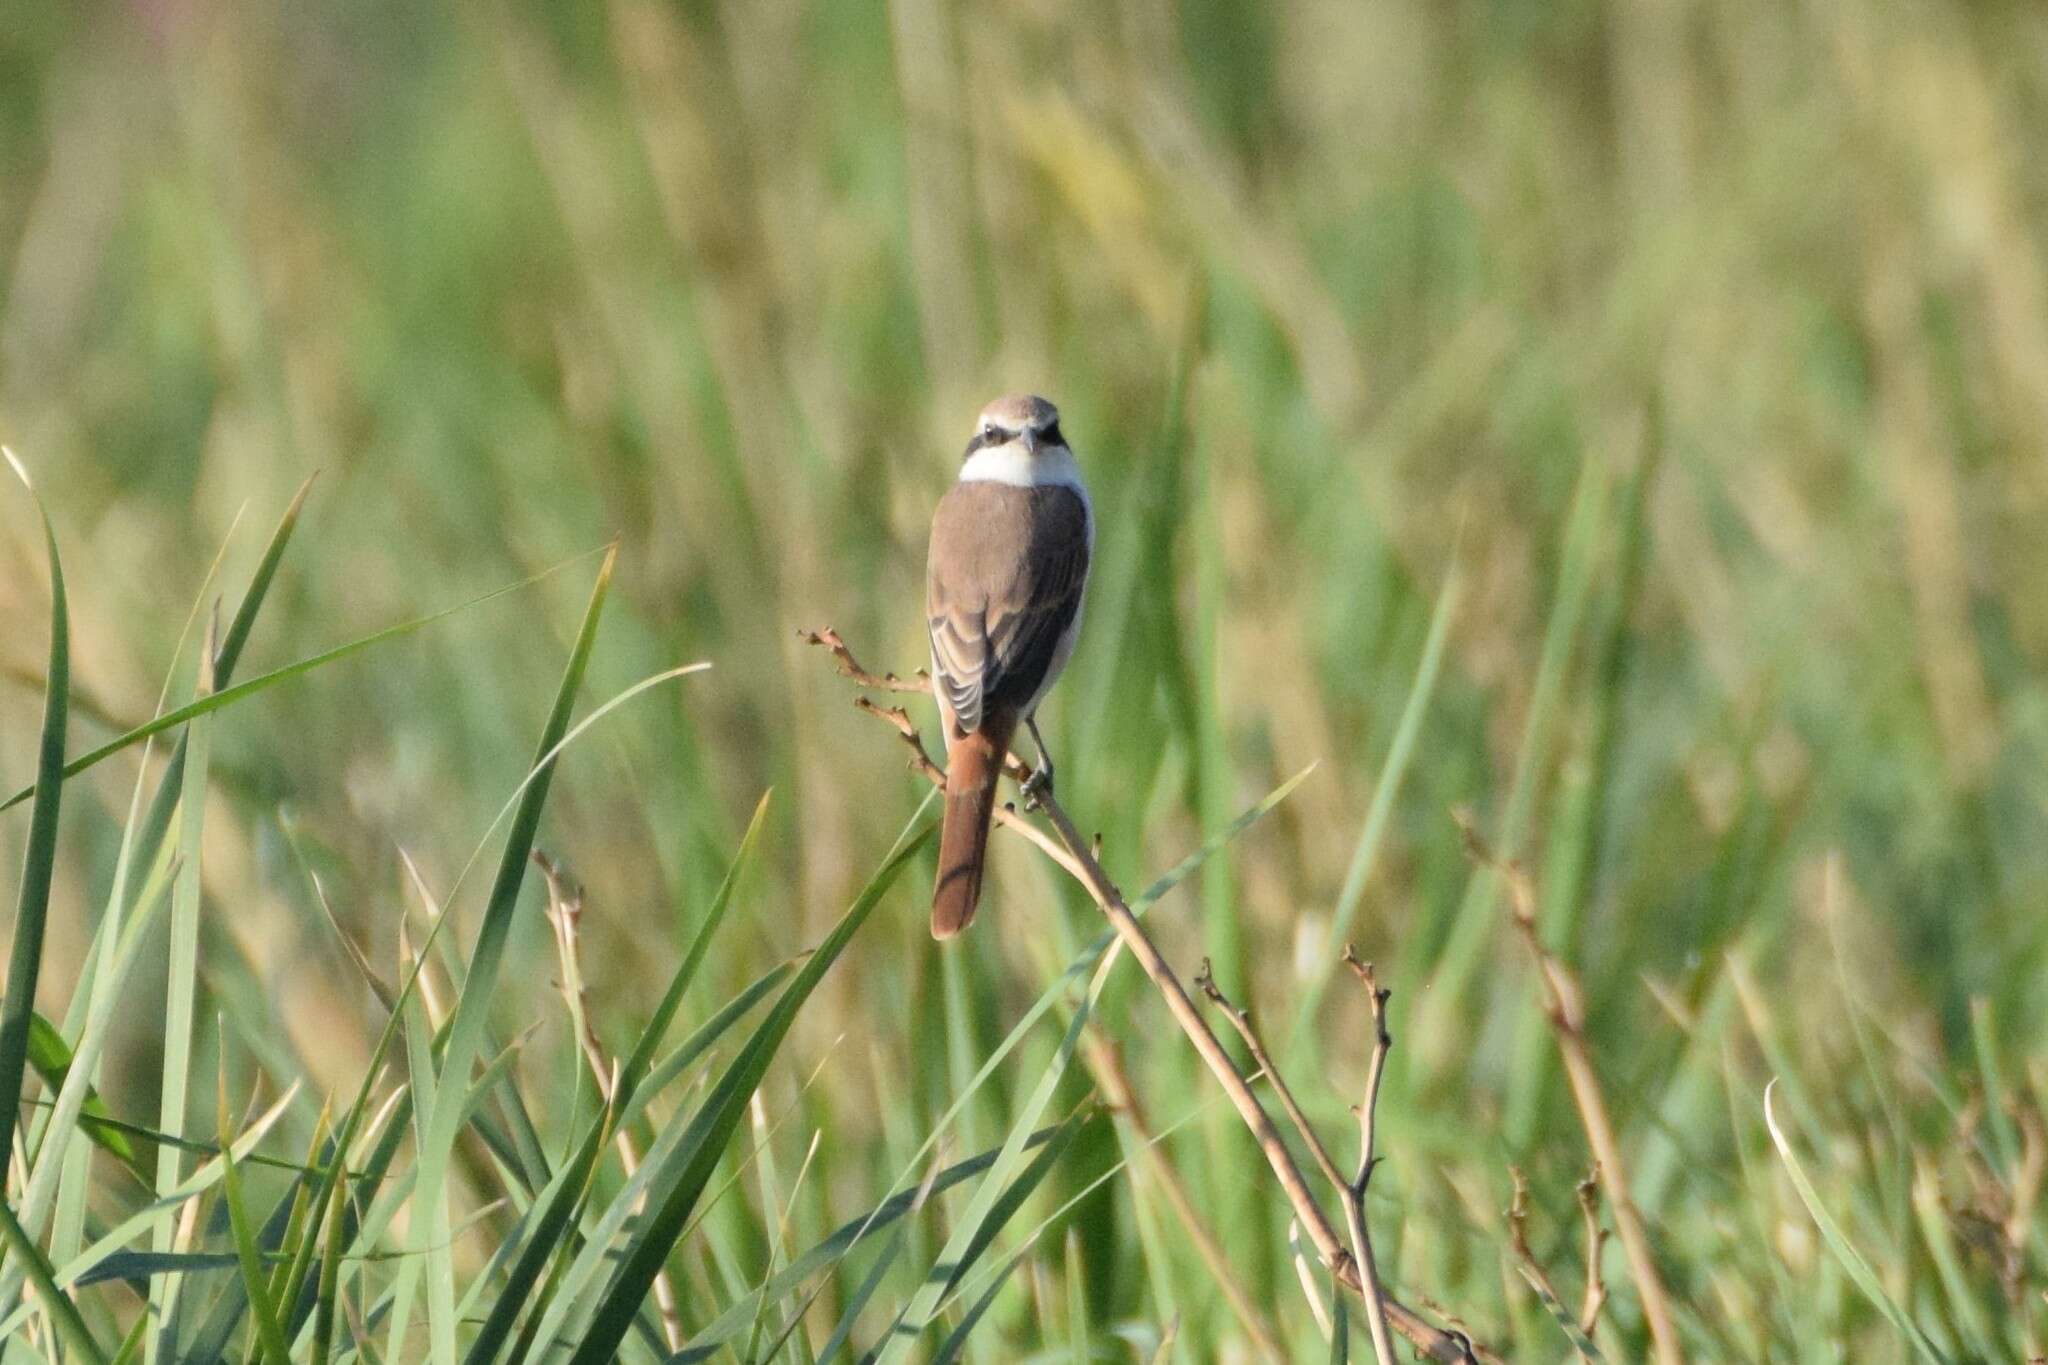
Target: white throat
1010, 463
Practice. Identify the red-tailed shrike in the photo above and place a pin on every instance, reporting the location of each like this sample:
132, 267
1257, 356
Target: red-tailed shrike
1009, 558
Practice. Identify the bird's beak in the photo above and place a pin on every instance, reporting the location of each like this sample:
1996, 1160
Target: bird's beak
1032, 441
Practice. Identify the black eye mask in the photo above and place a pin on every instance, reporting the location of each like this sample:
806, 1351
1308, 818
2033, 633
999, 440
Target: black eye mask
987, 436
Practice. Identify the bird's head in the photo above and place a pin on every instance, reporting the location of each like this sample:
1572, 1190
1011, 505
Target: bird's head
1021, 419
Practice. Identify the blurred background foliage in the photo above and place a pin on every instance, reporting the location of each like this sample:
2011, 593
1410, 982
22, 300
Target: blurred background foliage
1699, 346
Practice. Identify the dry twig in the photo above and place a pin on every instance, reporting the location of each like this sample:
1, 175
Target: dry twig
1563, 1006
565, 914
849, 667
1076, 856
1518, 1235
1354, 1194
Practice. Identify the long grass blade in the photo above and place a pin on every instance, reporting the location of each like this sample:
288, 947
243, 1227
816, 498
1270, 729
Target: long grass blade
973, 1237
479, 986
1400, 752
77, 1337
32, 903
141, 840
119, 1236
53, 1062
844, 1240
713, 1125
228, 696
1859, 1269
181, 982
255, 1280
553, 1214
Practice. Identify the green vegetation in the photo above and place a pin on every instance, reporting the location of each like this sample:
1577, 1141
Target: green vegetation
1622, 422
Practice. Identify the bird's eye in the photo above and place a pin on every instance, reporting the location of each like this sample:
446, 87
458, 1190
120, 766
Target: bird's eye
1051, 436
991, 437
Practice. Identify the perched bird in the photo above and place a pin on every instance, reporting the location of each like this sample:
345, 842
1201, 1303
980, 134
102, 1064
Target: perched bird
1008, 564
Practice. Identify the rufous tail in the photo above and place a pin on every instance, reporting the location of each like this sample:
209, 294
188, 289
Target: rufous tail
974, 764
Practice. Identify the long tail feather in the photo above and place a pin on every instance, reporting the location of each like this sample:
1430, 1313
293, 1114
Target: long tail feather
974, 765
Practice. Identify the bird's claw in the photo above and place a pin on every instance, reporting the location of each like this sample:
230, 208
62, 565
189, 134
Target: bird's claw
1037, 786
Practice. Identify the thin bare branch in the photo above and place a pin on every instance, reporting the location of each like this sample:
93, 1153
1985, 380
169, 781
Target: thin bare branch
1563, 1006
1240, 1019
1078, 860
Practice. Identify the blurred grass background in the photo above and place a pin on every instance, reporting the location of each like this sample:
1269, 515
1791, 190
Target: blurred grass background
1699, 346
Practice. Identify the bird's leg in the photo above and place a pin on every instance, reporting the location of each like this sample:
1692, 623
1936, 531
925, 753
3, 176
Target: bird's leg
1040, 780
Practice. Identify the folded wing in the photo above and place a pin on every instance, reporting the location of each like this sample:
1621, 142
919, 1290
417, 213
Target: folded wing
1007, 569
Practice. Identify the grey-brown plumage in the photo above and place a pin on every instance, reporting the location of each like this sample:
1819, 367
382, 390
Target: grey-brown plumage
1017, 560
1003, 590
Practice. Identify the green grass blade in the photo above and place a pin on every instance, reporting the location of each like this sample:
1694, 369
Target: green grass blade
709, 1131
395, 1008
641, 1060
333, 1244
664, 1072
1567, 1322
566, 1285
1079, 1338
75, 1176
843, 1241
1008, 1206
1852, 1260
1079, 968
255, 1279
228, 696
180, 990
1086, 961
128, 1229
141, 839
54, 1301
956, 1340
53, 1061
62, 1176
479, 986
1991, 1071
244, 620
131, 1345
1474, 925
553, 1214
855, 1305
1004, 1209
993, 1202
1399, 754
32, 904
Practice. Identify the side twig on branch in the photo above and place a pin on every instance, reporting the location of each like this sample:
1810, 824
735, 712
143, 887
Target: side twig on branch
1376, 997
1596, 1242
849, 667
1066, 847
